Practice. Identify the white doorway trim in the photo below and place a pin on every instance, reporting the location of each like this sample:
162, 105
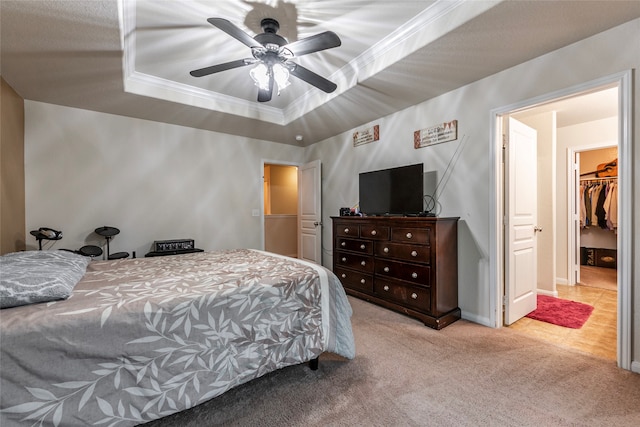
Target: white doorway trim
496, 211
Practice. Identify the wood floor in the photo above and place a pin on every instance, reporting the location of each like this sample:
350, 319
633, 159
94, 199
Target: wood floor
598, 335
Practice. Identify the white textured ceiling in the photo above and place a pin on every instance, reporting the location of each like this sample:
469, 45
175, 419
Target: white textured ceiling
133, 57
574, 110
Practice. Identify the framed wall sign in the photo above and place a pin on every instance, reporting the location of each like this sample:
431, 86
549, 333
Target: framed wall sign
444, 132
366, 135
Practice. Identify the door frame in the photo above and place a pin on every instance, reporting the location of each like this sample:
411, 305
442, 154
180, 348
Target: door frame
623, 80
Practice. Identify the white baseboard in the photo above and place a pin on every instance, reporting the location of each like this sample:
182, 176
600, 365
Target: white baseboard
561, 281
547, 293
635, 367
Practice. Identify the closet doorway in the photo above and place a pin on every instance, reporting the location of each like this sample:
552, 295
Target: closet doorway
281, 209
594, 222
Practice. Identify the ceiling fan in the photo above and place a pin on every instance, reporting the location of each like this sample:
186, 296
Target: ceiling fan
272, 54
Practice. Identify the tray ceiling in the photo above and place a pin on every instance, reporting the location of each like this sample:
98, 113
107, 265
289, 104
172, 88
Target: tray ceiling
133, 57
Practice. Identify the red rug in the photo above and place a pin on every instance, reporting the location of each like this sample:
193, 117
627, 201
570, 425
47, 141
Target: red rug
561, 312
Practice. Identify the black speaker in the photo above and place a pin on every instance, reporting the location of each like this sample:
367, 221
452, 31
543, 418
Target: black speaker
345, 212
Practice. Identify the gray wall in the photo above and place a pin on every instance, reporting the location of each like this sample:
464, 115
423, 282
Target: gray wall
151, 180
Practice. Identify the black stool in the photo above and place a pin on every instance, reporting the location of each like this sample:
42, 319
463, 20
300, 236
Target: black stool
108, 233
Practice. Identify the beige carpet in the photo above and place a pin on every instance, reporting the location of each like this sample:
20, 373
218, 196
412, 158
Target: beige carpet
406, 374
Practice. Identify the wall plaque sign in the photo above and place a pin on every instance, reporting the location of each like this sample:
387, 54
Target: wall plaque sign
366, 135
444, 132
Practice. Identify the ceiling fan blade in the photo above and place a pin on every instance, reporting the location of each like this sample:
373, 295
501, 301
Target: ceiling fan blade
316, 43
312, 78
265, 95
234, 31
221, 67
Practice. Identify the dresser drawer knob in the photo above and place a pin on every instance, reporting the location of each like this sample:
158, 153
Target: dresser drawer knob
362, 246
343, 244
363, 263
363, 281
374, 232
386, 288
344, 259
414, 296
386, 250
409, 235
346, 231
414, 253
414, 275
344, 276
386, 269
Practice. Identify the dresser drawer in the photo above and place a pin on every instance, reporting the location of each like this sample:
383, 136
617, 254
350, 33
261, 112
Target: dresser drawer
363, 246
419, 274
413, 253
355, 280
357, 262
416, 297
347, 230
411, 235
374, 231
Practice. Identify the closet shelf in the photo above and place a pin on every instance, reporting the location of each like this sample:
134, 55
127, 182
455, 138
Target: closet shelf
604, 178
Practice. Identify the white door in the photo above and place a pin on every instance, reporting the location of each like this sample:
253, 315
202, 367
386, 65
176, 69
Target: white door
310, 212
520, 220
574, 228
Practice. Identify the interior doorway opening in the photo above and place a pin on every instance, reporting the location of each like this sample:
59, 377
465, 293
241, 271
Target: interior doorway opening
595, 217
622, 120
569, 134
281, 209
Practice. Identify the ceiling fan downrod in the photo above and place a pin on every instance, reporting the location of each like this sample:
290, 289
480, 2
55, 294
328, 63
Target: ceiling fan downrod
269, 25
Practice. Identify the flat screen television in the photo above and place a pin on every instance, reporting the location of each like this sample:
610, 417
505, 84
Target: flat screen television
394, 191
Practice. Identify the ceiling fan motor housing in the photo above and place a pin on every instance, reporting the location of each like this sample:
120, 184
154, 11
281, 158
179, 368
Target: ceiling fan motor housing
266, 39
270, 41
269, 37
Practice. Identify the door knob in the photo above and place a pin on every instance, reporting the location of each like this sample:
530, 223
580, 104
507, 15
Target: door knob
537, 229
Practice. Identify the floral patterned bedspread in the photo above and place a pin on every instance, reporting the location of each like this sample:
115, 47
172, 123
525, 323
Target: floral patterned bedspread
143, 338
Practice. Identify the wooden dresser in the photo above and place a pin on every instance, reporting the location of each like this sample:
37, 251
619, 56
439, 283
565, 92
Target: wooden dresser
406, 264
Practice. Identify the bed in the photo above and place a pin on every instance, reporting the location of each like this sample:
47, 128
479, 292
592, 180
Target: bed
139, 339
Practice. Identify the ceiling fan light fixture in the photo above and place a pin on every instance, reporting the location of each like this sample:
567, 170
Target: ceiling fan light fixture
281, 76
260, 75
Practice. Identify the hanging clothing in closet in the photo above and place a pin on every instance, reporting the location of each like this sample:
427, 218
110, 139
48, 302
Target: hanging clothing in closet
599, 204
